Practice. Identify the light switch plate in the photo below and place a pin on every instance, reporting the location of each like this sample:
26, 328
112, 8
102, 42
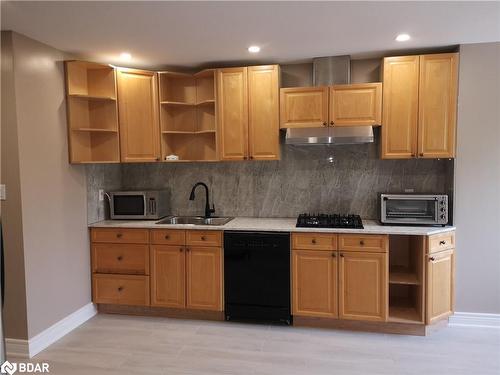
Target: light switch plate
2, 192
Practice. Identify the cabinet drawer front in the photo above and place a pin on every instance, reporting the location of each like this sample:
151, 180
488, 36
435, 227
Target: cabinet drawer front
314, 241
356, 242
120, 235
121, 289
168, 237
440, 242
203, 238
120, 258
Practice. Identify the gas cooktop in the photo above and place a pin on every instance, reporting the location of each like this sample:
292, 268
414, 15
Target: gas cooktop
329, 221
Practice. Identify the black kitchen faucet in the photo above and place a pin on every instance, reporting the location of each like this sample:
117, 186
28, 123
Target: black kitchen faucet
208, 211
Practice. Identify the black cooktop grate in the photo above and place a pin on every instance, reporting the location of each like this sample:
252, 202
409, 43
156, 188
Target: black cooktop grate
329, 221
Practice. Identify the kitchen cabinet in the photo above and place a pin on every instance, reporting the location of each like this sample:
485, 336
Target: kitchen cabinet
188, 275
437, 105
363, 284
356, 104
337, 105
263, 112
314, 283
419, 106
304, 107
138, 115
248, 117
204, 278
440, 285
121, 289
233, 113
168, 276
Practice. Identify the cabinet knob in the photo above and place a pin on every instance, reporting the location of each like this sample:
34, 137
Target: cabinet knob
203, 238
331, 123
413, 155
325, 124
245, 158
421, 154
341, 255
333, 255
119, 235
187, 249
250, 157
167, 237
442, 242
119, 258
157, 159
361, 242
181, 249
120, 288
432, 259
313, 241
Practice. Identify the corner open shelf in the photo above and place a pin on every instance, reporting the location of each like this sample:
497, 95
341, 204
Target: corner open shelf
187, 115
406, 279
92, 113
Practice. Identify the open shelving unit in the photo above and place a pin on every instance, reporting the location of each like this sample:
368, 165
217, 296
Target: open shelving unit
406, 279
187, 115
92, 113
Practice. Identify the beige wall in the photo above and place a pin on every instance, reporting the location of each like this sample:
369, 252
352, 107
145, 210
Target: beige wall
15, 315
53, 193
477, 180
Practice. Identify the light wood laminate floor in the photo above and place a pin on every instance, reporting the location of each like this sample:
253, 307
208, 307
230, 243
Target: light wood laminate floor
113, 344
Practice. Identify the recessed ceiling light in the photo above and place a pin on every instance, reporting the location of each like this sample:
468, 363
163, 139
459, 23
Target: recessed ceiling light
253, 49
125, 56
402, 37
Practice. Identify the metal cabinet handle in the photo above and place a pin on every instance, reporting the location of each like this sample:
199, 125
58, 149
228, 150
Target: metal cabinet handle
442, 242
432, 259
203, 238
331, 123
119, 235
325, 124
120, 288
313, 241
167, 237
361, 242
119, 258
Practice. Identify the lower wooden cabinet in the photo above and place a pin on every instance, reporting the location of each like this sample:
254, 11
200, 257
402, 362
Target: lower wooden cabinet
168, 276
121, 289
203, 278
314, 283
440, 285
363, 284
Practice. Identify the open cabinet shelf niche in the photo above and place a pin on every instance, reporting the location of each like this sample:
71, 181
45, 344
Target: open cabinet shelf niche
92, 113
406, 279
187, 115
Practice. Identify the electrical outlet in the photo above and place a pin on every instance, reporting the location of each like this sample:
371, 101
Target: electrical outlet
3, 195
101, 195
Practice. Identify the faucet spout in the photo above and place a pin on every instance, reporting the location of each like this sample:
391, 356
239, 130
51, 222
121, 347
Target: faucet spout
208, 211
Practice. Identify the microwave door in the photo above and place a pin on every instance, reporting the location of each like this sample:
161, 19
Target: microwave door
128, 206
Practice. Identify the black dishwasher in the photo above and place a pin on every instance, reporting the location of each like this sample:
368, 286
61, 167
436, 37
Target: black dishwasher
257, 276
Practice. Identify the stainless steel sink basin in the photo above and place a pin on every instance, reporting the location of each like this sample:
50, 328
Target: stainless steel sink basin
195, 220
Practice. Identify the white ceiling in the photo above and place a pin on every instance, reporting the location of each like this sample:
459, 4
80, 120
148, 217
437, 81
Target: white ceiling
211, 33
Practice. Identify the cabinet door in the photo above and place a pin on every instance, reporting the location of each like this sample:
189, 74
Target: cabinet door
168, 265
440, 285
138, 115
204, 278
357, 104
400, 107
363, 286
263, 112
437, 105
304, 107
232, 100
314, 283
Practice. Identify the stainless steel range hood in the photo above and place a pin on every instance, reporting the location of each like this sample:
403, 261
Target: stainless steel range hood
330, 70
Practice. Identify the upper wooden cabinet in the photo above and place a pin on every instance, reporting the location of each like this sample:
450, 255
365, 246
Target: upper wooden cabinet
303, 107
138, 115
233, 113
419, 106
263, 112
356, 104
92, 113
437, 107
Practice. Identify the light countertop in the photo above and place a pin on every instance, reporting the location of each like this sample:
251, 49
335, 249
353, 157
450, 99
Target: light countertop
278, 225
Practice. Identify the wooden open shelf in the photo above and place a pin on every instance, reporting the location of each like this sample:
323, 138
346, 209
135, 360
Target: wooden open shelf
406, 279
187, 115
92, 113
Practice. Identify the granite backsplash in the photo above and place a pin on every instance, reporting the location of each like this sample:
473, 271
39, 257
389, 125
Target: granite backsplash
304, 180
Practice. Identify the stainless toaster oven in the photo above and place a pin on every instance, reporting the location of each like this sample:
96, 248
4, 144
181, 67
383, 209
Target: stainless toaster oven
425, 209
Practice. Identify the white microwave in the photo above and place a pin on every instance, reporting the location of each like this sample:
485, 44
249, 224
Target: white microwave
138, 205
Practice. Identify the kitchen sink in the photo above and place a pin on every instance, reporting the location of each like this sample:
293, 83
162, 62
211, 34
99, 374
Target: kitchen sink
195, 220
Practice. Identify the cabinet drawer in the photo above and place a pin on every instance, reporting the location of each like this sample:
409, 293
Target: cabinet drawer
440, 242
168, 237
356, 242
120, 235
121, 289
203, 238
314, 241
120, 258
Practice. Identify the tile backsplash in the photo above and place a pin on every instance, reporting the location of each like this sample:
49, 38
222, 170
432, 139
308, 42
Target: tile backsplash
304, 180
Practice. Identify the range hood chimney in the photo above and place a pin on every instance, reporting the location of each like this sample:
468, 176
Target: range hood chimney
331, 70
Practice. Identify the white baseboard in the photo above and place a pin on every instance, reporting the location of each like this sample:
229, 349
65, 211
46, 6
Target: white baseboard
30, 348
466, 319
